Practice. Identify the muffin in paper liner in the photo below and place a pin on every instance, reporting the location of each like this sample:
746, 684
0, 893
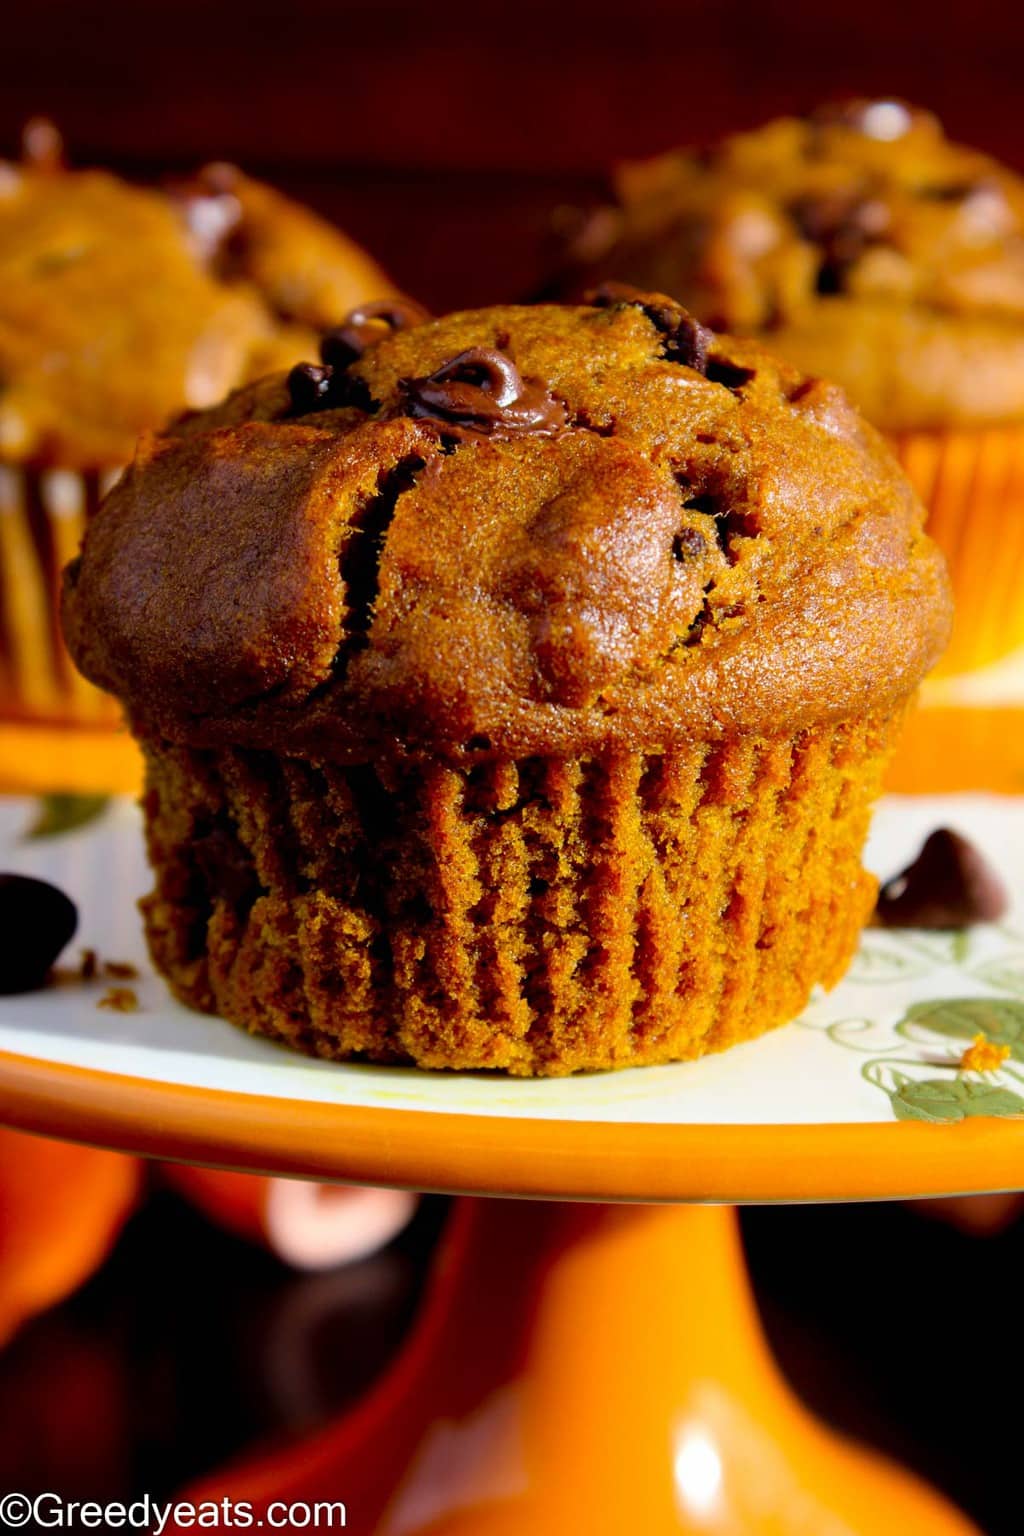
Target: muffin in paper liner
43, 515
514, 689
972, 484
863, 245
543, 916
120, 307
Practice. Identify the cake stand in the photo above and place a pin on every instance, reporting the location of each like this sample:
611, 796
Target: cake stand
589, 1359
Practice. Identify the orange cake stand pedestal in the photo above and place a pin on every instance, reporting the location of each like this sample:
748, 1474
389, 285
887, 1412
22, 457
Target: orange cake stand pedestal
589, 1369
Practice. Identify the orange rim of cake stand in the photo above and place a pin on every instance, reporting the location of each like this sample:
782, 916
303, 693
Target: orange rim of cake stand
550, 1159
47, 759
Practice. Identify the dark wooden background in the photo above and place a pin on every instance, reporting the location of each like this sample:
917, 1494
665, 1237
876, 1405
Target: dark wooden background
443, 135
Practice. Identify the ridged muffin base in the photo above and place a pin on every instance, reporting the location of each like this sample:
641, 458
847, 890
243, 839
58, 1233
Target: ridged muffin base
541, 916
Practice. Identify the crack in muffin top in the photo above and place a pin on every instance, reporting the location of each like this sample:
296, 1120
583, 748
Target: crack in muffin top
538, 528
859, 241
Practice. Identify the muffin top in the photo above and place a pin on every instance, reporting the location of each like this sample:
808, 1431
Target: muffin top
859, 242
514, 530
122, 305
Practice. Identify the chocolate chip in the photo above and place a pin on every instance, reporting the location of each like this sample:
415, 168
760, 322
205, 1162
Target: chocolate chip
707, 504
41, 145
219, 176
843, 224
36, 921
950, 191
882, 120
610, 293
696, 630
802, 389
309, 386
949, 885
366, 325
482, 390
479, 368
211, 209
684, 339
720, 371
730, 523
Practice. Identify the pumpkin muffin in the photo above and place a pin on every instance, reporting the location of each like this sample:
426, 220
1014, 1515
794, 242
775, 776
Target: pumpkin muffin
119, 307
860, 244
514, 687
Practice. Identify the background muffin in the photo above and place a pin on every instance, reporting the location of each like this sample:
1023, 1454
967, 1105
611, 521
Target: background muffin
120, 306
514, 691
862, 245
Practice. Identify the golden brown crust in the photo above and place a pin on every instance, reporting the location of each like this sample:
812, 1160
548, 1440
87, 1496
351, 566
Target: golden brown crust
121, 305
858, 242
680, 552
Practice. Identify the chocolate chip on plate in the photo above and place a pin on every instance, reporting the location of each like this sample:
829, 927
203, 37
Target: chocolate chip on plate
36, 921
949, 885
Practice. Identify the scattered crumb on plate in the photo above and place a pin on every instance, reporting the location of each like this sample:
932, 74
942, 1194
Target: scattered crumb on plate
119, 1000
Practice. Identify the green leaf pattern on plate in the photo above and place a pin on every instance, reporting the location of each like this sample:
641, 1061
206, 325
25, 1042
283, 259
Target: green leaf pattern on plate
939, 947
947, 1100
1000, 1019
57, 814
911, 1045
878, 960
872, 1037
1006, 974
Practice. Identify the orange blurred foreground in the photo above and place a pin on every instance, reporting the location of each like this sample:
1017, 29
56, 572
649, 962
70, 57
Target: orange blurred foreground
61, 1208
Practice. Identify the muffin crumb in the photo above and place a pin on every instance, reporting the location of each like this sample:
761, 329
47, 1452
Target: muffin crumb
119, 1000
120, 970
